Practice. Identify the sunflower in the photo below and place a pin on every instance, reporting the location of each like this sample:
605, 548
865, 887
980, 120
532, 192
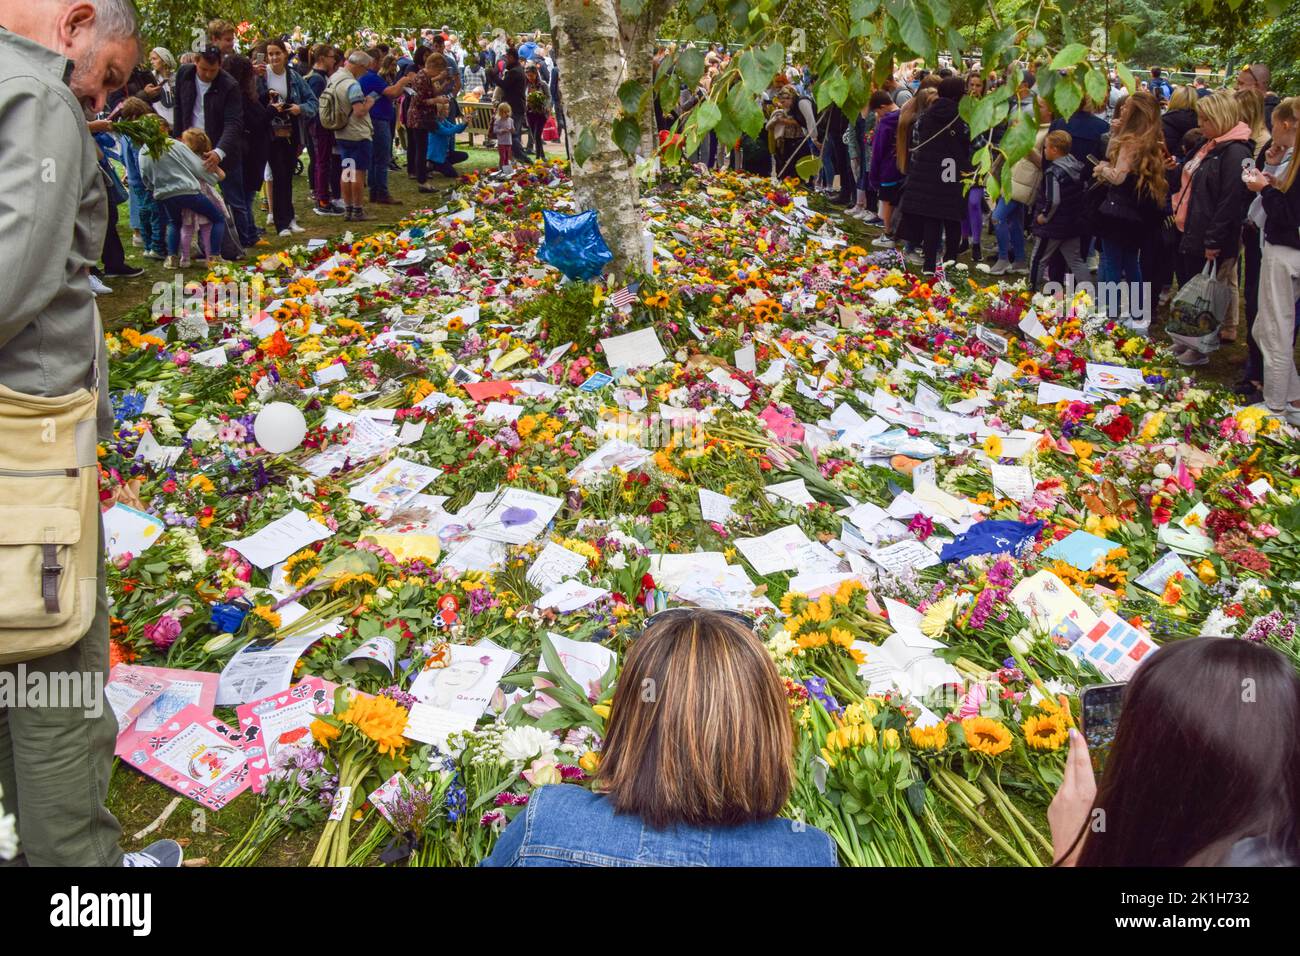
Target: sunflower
934, 737
993, 446
455, 324
986, 736
382, 719
1028, 367
323, 732
657, 300
301, 567
271, 618
1045, 731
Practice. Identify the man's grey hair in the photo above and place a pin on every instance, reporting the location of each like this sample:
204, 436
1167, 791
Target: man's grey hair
359, 58
116, 18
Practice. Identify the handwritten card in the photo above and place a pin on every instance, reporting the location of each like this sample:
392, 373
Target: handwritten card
279, 721
282, 537
555, 564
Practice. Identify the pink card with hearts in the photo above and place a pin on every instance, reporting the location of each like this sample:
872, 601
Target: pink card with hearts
183, 689
279, 721
196, 755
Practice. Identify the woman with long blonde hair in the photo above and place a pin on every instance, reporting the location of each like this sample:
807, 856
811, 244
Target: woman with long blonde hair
1279, 278
1134, 171
1211, 205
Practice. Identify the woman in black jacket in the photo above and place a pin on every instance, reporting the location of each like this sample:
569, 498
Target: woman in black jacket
257, 127
934, 195
1212, 204
1179, 118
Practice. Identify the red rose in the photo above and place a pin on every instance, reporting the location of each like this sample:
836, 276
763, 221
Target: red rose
1118, 429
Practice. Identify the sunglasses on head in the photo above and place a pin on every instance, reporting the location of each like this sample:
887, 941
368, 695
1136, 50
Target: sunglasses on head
744, 619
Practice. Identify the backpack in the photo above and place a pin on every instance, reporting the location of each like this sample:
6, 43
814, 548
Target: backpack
332, 109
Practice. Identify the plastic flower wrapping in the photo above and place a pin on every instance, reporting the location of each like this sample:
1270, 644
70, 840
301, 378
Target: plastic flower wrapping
947, 506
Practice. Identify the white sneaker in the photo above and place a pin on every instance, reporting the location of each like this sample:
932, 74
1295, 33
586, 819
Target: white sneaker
883, 242
169, 262
97, 286
1020, 266
286, 232
1000, 268
293, 226
163, 853
871, 219
270, 219
1193, 357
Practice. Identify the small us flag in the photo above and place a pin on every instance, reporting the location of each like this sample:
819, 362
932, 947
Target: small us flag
623, 298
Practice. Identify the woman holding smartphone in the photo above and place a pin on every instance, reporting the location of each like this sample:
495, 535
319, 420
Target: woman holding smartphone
1204, 769
287, 96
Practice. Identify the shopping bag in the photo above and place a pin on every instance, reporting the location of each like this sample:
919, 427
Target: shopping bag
1198, 310
551, 131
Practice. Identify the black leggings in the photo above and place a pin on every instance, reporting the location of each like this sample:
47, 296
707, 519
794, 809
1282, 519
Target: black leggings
417, 150
283, 157
932, 229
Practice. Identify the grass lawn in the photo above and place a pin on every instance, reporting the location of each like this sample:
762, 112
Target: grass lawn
130, 302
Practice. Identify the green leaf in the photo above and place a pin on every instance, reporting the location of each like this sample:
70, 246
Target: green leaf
1068, 57
585, 147
832, 88
980, 114
772, 56
744, 108
1126, 75
706, 116
1096, 85
707, 24
862, 10
807, 167
910, 29
754, 73
631, 94
1067, 96
690, 66
627, 134
1017, 143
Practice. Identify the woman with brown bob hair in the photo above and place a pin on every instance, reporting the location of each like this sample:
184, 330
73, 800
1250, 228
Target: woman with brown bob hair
696, 765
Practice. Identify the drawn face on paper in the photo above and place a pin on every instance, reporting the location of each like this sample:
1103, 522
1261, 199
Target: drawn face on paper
456, 678
212, 763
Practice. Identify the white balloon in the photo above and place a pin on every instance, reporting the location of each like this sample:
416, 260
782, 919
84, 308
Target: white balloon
279, 427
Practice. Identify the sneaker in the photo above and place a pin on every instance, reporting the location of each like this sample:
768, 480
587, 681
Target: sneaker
359, 214
156, 256
137, 240
1193, 357
339, 205
326, 210
97, 285
163, 853
286, 232
1000, 268
270, 219
184, 263
1020, 266
294, 227
871, 219
426, 188
169, 262
883, 242
129, 272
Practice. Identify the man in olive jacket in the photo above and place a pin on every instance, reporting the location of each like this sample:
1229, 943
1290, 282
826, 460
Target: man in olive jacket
58, 61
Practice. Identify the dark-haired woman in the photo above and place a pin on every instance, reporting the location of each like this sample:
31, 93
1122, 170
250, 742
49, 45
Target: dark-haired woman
1204, 770
940, 158
697, 764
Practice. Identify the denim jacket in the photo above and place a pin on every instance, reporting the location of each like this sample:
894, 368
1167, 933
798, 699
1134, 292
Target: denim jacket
567, 825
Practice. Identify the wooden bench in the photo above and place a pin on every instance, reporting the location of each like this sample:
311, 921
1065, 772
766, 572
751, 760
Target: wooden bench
477, 118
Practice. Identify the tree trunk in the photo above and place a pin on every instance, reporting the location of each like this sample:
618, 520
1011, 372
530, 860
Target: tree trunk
638, 38
589, 51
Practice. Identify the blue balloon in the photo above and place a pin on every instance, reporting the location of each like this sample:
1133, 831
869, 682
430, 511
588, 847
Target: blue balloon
574, 245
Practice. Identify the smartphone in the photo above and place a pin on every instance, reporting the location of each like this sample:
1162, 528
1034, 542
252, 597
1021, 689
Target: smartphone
1101, 705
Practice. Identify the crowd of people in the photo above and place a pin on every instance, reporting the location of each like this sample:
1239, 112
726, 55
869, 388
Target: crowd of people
1141, 193
254, 107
